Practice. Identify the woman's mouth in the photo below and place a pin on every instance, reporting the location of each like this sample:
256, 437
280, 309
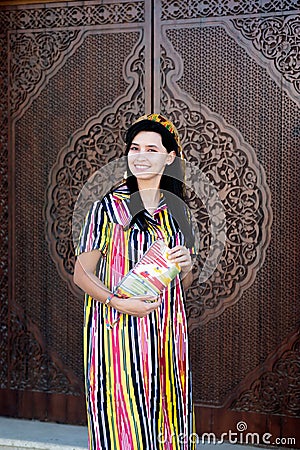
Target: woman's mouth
141, 166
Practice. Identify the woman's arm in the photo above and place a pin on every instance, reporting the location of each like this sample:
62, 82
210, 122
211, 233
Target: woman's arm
85, 278
181, 255
187, 279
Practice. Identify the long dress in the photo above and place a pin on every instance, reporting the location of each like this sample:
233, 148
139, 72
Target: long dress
137, 376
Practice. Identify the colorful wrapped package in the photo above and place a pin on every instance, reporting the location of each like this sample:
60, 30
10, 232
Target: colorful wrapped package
151, 275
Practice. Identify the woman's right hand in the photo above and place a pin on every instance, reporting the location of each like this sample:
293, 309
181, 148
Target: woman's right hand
139, 306
84, 277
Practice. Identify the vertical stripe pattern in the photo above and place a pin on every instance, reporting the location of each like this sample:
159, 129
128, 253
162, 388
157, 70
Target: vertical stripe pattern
137, 377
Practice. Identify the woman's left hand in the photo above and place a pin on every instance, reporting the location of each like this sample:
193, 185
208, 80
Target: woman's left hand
181, 255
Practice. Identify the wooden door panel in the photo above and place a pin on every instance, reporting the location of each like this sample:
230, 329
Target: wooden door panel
70, 69
236, 107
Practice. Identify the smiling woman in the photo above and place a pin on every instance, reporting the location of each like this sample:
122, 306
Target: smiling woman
171, 180
147, 159
138, 383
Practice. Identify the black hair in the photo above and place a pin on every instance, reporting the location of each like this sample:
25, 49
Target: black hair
171, 183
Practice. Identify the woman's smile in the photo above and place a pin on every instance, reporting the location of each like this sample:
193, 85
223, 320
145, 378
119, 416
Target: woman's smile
147, 157
142, 166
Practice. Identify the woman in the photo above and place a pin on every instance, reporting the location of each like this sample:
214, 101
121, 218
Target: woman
138, 385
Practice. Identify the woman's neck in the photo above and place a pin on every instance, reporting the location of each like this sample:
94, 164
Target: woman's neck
150, 194
151, 184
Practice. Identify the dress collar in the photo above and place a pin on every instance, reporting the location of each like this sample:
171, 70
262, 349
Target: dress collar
161, 206
122, 194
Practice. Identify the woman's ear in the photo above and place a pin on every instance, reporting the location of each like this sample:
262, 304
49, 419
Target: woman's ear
170, 158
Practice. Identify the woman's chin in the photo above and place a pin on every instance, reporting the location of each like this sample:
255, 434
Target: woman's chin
144, 175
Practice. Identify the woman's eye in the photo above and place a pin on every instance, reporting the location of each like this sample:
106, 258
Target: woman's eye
133, 149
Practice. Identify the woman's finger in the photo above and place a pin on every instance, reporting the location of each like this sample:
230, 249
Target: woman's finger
180, 258
178, 251
144, 307
153, 305
144, 298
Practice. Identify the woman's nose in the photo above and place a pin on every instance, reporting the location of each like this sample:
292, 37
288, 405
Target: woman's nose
141, 152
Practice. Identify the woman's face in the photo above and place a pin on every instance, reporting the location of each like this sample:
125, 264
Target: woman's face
147, 157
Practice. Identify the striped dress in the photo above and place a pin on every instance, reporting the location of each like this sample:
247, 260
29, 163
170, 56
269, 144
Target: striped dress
137, 377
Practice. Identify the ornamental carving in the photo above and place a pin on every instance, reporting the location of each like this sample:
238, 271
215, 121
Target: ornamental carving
33, 56
274, 387
91, 148
4, 326
3, 213
73, 16
278, 40
231, 166
192, 9
31, 367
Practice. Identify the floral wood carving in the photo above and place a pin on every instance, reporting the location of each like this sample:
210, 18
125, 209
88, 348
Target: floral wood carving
91, 148
232, 167
36, 55
73, 16
274, 387
31, 366
33, 56
182, 9
278, 40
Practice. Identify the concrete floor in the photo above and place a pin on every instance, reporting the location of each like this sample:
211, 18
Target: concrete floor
18, 434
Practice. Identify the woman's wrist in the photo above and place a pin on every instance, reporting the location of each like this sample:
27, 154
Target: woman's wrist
108, 299
185, 271
111, 300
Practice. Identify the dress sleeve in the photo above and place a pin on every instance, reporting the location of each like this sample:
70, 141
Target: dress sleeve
95, 231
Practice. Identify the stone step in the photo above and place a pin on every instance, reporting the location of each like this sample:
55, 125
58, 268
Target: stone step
19, 434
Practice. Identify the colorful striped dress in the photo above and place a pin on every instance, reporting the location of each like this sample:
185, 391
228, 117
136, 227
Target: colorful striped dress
137, 376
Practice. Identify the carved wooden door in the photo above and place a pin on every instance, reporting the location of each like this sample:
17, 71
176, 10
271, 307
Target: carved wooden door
229, 78
77, 75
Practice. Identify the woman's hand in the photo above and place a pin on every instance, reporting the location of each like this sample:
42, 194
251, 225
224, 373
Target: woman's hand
85, 278
139, 306
181, 255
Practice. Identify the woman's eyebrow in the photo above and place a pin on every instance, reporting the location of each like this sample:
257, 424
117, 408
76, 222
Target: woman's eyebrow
147, 145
